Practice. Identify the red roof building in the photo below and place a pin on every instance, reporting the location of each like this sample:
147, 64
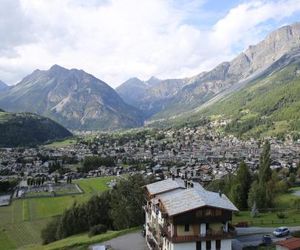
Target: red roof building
288, 244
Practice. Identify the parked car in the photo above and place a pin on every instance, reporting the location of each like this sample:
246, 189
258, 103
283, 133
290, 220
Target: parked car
281, 231
267, 240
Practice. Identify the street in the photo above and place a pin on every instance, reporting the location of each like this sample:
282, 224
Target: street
252, 236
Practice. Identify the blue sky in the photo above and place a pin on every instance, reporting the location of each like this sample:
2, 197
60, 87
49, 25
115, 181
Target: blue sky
118, 39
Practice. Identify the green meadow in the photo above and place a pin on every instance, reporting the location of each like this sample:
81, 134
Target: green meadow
22, 221
284, 204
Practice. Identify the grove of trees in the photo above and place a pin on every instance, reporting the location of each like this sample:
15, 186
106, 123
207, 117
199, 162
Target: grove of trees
246, 189
115, 209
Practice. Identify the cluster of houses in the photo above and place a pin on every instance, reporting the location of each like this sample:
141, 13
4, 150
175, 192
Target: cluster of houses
198, 153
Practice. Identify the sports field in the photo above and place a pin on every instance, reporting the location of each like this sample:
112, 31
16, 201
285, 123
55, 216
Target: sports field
22, 221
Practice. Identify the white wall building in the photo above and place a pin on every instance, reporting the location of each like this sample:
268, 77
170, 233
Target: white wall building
182, 215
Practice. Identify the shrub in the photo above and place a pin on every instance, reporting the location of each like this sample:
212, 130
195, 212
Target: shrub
296, 234
281, 215
98, 229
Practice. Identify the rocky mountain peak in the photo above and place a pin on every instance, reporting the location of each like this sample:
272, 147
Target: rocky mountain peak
74, 98
57, 68
153, 81
274, 46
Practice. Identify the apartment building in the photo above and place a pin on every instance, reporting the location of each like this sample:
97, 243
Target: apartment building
182, 215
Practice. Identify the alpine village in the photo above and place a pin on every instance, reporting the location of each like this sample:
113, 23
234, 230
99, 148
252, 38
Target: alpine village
205, 155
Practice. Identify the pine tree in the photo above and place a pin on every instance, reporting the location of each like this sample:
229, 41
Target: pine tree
265, 172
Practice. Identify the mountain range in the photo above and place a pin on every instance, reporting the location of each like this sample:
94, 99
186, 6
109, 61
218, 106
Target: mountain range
73, 98
78, 100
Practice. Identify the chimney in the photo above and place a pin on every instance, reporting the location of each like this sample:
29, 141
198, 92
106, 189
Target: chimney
173, 177
220, 193
185, 183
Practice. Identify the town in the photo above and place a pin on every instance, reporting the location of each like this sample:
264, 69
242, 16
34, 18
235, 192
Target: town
197, 152
82, 166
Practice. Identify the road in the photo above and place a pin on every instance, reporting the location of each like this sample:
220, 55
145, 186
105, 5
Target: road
252, 236
132, 241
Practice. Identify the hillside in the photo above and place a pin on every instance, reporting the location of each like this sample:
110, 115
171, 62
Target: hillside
73, 98
231, 76
26, 129
268, 106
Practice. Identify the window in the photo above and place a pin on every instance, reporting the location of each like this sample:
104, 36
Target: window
198, 245
186, 227
208, 212
208, 245
218, 244
199, 213
218, 212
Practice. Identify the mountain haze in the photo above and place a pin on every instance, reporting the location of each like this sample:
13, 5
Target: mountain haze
150, 96
3, 86
73, 98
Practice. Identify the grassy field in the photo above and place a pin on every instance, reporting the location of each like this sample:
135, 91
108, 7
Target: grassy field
22, 221
61, 144
284, 203
80, 241
93, 185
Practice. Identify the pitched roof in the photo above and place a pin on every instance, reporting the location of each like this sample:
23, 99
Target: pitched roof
291, 243
164, 186
192, 198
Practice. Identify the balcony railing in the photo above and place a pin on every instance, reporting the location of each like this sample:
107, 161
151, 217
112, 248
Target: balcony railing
208, 236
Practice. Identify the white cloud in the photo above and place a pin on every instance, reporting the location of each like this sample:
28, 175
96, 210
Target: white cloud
118, 39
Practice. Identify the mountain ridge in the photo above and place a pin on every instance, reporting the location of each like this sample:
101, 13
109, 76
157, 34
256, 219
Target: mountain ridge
27, 129
205, 86
74, 98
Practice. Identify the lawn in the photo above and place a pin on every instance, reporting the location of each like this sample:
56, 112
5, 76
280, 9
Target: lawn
22, 221
94, 185
284, 203
61, 144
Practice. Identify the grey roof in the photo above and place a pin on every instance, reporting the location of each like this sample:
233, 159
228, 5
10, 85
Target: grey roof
193, 198
164, 186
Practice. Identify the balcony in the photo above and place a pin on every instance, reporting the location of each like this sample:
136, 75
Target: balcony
147, 209
208, 236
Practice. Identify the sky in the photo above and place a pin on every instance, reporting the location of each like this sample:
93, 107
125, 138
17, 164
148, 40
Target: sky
119, 39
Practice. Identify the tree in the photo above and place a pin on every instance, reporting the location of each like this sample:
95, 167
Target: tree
262, 192
127, 200
241, 186
256, 195
265, 171
98, 210
292, 179
49, 234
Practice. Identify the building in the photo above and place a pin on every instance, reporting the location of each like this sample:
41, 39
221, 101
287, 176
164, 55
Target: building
288, 244
182, 215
